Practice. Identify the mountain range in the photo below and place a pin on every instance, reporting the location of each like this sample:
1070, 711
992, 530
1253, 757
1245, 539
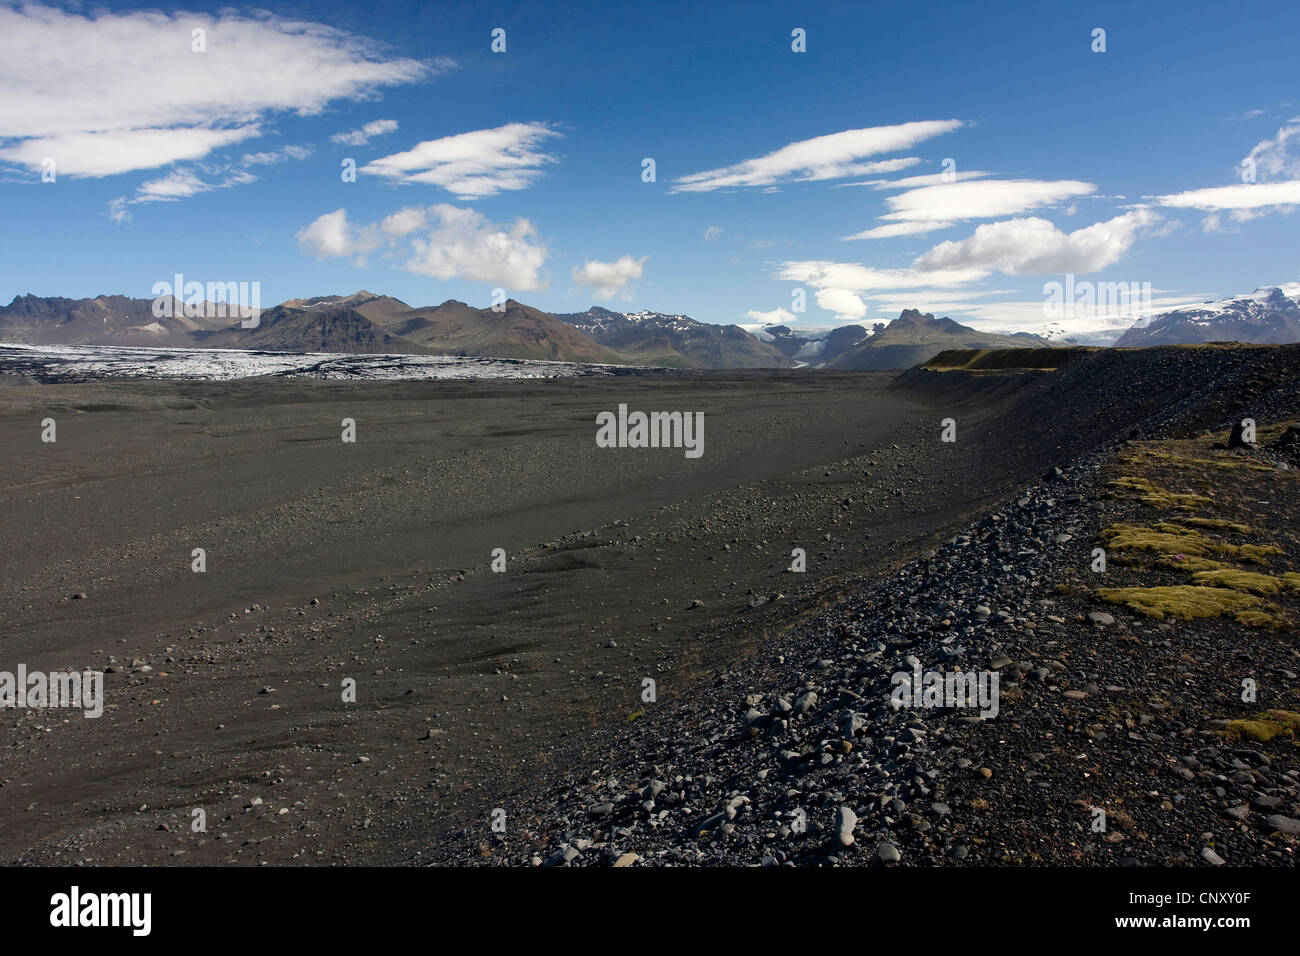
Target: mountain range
675, 341
365, 322
1268, 316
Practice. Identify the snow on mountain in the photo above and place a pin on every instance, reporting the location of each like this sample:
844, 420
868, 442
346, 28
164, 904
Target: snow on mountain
1270, 315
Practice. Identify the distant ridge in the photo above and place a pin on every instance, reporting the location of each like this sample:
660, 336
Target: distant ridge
914, 338
677, 341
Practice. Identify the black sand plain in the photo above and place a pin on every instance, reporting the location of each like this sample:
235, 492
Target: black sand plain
327, 560
370, 562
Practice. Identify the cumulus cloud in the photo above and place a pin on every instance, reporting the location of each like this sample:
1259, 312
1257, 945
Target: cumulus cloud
472, 165
846, 305
107, 93
712, 233
462, 243
1011, 247
833, 156
1036, 247
331, 236
777, 316
359, 137
442, 241
608, 279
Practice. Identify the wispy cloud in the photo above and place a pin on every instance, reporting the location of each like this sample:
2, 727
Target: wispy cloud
833, 156
980, 199
276, 156
1279, 157
108, 93
1242, 201
895, 229
1272, 174
184, 182
359, 137
938, 201
472, 165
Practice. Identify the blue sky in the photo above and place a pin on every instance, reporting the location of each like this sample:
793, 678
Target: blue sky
225, 164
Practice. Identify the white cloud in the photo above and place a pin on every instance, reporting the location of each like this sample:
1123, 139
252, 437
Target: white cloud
279, 156
937, 201
109, 152
1036, 247
608, 279
109, 93
894, 229
359, 137
930, 179
980, 199
833, 156
1014, 247
331, 236
464, 244
1274, 164
777, 316
1279, 157
405, 221
1241, 196
471, 165
183, 183
117, 210
712, 233
846, 305
443, 241
1031, 315
855, 277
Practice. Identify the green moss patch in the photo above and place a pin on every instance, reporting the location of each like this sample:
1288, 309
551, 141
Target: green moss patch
1267, 726
1154, 496
1184, 602
1249, 581
1189, 563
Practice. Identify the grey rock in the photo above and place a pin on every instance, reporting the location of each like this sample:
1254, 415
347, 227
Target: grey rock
845, 821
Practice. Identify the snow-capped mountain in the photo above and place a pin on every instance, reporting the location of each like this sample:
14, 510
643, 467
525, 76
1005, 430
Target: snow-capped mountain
811, 345
1094, 330
658, 338
1268, 316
